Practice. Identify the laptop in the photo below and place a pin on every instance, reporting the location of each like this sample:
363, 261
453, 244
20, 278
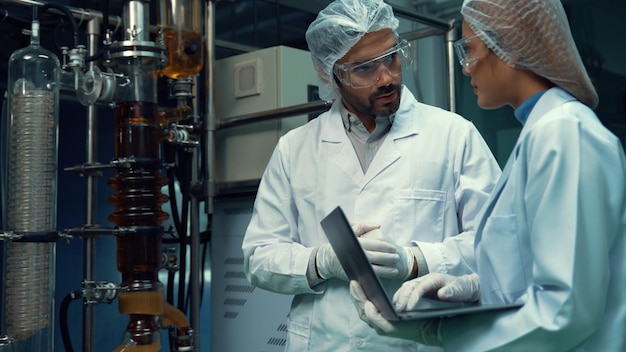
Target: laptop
357, 267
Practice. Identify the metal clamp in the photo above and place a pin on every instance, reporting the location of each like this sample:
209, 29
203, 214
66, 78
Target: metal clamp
5, 341
182, 135
25, 236
94, 292
170, 260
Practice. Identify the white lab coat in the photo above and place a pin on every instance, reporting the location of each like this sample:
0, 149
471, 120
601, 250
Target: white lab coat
428, 181
553, 235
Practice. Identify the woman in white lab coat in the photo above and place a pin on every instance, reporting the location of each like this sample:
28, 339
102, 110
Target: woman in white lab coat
424, 176
552, 234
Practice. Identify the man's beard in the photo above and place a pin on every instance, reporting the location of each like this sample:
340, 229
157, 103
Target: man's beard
368, 107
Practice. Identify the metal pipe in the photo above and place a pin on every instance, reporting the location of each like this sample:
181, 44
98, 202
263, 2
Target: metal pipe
421, 33
93, 40
451, 37
85, 231
242, 48
210, 118
194, 251
137, 20
288, 111
415, 16
438, 26
79, 13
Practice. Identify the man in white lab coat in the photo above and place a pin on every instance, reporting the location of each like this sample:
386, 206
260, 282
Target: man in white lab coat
407, 175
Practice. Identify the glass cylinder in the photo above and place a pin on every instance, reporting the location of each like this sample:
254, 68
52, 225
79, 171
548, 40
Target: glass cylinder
137, 185
181, 24
31, 182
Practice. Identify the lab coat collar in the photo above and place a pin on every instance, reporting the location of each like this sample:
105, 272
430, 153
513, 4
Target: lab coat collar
334, 130
405, 124
405, 121
334, 136
551, 99
407, 117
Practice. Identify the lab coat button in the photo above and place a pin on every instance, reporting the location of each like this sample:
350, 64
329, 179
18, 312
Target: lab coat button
358, 342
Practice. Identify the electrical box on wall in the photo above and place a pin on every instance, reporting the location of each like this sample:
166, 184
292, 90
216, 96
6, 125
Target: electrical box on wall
253, 82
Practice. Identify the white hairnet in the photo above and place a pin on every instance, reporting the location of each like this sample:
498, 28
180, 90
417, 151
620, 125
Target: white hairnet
337, 28
533, 35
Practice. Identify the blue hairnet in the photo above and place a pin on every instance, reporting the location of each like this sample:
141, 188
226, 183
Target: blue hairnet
337, 28
532, 35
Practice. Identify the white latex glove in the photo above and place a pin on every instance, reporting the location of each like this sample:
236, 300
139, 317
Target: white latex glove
327, 264
445, 287
424, 331
388, 259
360, 228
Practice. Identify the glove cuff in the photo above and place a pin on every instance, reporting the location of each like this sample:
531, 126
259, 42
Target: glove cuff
320, 267
327, 264
410, 263
312, 275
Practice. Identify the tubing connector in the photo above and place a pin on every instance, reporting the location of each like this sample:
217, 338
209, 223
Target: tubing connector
95, 292
148, 304
96, 86
74, 58
181, 134
182, 334
142, 333
170, 261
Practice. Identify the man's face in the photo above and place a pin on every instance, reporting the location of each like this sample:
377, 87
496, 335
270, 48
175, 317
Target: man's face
383, 97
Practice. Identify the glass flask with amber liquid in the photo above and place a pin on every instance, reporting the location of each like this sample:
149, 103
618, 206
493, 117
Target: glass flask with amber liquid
181, 24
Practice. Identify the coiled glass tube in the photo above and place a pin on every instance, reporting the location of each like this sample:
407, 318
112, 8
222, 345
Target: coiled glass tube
31, 177
28, 301
27, 281
30, 208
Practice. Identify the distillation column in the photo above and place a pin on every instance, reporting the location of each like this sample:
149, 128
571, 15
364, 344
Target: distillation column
137, 186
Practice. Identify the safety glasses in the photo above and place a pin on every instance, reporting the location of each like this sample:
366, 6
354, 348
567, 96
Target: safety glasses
464, 50
365, 73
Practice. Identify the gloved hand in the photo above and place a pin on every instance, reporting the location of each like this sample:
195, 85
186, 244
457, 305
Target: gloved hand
445, 287
361, 228
388, 259
327, 264
424, 331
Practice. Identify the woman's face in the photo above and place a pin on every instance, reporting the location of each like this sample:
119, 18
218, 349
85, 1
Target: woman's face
492, 79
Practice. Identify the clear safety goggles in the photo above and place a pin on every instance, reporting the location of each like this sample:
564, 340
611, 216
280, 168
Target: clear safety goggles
365, 73
463, 52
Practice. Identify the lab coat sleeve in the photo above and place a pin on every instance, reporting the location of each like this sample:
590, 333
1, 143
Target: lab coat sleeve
274, 258
568, 223
475, 174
